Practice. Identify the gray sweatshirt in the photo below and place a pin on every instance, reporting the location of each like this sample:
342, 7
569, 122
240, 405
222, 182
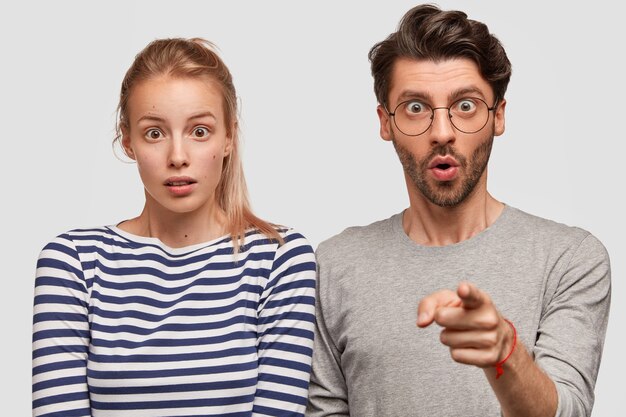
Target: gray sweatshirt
552, 281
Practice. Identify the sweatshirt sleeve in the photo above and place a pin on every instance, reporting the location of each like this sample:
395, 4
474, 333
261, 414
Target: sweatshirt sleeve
328, 394
573, 326
60, 333
286, 320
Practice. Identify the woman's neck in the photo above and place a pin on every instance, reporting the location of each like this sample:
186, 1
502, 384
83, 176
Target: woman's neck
178, 230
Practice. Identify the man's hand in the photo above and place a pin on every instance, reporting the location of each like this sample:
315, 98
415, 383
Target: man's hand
474, 330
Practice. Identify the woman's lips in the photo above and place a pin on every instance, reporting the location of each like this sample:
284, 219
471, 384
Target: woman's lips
180, 186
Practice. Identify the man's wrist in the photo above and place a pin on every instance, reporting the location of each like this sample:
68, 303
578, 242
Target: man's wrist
508, 347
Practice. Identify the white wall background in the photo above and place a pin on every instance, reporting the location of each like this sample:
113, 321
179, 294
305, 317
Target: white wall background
312, 153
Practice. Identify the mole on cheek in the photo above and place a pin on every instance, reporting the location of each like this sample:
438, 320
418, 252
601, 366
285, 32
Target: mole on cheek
213, 156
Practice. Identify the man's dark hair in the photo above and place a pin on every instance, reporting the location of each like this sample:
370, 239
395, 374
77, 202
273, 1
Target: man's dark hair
427, 32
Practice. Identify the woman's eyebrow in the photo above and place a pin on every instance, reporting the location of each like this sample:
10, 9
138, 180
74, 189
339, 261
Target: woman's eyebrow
155, 118
203, 115
151, 118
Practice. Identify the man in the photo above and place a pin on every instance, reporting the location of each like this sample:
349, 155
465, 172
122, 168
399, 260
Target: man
511, 308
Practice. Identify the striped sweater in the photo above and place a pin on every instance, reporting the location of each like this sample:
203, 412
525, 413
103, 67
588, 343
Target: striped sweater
125, 326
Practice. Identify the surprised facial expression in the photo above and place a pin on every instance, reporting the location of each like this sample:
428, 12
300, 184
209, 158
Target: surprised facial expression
443, 165
177, 134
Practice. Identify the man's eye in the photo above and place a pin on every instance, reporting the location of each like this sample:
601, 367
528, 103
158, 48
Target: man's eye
201, 132
154, 134
465, 106
415, 107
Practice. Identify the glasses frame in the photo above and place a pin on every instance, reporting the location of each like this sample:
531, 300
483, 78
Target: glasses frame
432, 115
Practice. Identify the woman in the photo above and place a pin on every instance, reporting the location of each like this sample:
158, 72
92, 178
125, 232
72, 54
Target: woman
195, 307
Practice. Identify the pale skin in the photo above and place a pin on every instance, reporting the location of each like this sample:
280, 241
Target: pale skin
473, 328
177, 135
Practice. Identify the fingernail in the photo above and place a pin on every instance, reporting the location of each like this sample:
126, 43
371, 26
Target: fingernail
422, 317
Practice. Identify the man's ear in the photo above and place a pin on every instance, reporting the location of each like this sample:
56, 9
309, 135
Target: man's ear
128, 150
499, 118
385, 123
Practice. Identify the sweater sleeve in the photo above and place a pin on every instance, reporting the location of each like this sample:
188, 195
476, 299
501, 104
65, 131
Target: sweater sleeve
60, 333
328, 394
286, 320
573, 326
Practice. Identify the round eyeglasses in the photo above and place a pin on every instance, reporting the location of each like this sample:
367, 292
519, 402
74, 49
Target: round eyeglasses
468, 115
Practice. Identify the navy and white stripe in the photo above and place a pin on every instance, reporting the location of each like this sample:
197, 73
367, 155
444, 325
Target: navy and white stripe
124, 326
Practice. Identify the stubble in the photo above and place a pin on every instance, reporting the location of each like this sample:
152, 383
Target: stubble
446, 193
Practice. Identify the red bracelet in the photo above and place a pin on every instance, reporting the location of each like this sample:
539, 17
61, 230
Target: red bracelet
499, 370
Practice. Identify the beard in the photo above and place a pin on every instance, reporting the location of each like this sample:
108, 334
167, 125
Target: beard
446, 193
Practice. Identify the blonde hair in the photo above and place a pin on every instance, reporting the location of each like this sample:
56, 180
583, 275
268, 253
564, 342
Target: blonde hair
196, 58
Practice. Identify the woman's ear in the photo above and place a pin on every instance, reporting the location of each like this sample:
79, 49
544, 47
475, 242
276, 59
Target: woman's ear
128, 150
230, 139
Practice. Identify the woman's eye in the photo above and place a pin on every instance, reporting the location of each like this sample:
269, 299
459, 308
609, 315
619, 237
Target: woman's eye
415, 107
465, 106
200, 132
154, 134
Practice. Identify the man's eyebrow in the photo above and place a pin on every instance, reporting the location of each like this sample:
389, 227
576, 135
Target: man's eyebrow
464, 92
454, 95
412, 94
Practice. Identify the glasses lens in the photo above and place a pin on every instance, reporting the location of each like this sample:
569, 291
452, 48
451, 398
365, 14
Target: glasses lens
469, 115
413, 117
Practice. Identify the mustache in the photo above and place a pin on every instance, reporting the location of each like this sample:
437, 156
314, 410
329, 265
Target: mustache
443, 150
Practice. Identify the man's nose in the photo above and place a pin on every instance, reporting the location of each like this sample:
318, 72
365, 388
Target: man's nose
441, 129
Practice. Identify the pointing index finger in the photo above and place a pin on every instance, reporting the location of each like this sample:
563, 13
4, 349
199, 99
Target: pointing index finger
471, 296
429, 305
